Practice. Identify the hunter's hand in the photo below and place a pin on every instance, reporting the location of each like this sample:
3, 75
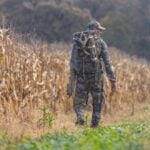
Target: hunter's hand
69, 90
113, 87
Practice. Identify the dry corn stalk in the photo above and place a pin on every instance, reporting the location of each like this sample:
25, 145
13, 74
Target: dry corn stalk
36, 75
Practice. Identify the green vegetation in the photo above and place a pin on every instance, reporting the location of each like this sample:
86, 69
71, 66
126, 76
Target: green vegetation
134, 136
47, 20
47, 118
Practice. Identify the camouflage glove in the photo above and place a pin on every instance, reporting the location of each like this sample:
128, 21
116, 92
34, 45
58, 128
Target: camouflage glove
69, 89
113, 87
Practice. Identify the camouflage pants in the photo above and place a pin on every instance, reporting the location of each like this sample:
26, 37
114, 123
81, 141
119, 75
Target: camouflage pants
84, 86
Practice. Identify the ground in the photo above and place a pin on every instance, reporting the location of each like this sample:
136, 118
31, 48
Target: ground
117, 131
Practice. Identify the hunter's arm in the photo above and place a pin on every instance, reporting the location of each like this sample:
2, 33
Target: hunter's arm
73, 68
107, 62
73, 61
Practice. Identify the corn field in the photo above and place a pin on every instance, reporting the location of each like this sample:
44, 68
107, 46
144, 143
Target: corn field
35, 75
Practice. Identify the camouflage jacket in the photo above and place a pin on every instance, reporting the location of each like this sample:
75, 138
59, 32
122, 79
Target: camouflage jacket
83, 64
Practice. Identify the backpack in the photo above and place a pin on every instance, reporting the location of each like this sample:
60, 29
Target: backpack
84, 40
88, 55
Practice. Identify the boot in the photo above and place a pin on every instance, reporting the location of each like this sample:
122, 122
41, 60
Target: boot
94, 124
80, 122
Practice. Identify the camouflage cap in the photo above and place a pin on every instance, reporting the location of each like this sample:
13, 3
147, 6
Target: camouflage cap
95, 24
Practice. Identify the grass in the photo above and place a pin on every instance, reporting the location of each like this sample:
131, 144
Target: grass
135, 136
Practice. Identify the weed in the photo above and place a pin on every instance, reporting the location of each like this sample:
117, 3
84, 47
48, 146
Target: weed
47, 118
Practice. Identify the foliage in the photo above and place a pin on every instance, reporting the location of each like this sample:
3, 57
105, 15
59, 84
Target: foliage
126, 137
55, 20
127, 23
46, 20
47, 118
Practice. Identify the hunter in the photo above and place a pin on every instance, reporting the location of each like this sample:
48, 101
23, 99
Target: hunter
89, 59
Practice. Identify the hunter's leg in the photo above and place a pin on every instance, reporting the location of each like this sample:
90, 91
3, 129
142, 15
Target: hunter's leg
98, 99
80, 100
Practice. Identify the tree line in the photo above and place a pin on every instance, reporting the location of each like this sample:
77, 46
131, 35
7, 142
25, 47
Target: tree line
127, 22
